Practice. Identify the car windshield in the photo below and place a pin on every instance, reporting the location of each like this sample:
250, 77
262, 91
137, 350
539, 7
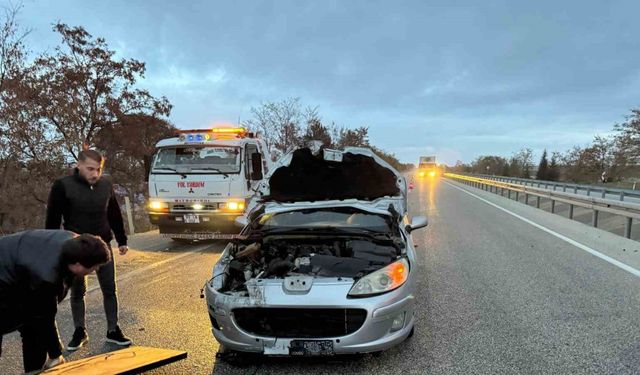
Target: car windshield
214, 159
316, 219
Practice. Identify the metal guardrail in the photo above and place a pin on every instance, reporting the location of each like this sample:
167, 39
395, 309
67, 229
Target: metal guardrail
555, 185
627, 209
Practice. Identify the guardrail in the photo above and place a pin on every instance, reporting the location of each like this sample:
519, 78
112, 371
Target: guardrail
627, 209
555, 185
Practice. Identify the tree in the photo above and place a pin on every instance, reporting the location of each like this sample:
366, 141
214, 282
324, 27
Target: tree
603, 155
70, 96
358, 137
553, 173
12, 51
489, 164
392, 160
521, 163
506, 169
316, 131
628, 136
543, 167
61, 103
278, 123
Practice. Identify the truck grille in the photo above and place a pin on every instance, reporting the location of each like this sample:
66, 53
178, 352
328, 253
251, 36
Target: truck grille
299, 323
185, 207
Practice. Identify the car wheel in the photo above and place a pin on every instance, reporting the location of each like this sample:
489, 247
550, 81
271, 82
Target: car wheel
413, 329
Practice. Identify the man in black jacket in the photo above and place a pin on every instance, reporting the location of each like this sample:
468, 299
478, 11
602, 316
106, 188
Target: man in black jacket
36, 270
86, 203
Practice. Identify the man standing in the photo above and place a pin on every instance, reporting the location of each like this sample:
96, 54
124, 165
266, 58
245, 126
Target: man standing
36, 270
87, 204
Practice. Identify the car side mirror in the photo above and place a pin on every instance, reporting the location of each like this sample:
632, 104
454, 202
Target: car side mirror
256, 166
417, 223
241, 221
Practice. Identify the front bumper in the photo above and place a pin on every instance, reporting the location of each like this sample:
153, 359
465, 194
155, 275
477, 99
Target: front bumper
174, 222
375, 334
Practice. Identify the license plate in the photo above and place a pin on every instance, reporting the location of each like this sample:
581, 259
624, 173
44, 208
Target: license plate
309, 348
191, 219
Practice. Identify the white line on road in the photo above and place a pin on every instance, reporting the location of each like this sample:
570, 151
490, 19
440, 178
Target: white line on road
151, 266
586, 248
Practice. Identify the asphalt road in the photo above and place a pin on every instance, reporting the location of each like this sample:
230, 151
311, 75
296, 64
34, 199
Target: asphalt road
496, 294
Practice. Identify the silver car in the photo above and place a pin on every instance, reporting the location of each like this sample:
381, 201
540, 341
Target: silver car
325, 263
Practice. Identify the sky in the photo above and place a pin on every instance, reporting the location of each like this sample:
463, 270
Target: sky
446, 78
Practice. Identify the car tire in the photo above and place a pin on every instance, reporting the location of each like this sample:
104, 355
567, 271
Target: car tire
233, 357
413, 330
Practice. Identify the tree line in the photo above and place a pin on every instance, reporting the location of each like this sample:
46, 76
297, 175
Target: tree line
615, 157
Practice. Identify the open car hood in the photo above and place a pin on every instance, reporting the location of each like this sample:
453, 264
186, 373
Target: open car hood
354, 177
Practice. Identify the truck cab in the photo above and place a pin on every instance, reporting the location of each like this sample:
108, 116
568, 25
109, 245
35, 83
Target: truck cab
427, 167
200, 181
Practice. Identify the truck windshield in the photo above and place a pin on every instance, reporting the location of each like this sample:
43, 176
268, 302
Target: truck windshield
205, 159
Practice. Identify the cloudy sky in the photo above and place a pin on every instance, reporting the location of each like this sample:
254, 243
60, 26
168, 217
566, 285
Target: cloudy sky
454, 79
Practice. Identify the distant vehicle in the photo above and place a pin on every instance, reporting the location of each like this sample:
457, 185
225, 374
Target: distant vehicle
428, 167
200, 181
325, 264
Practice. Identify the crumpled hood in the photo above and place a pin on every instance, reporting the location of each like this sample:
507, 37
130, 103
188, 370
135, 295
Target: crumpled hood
355, 176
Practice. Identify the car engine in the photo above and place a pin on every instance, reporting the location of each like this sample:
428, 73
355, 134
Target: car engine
282, 256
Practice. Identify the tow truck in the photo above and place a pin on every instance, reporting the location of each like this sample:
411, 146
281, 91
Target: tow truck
200, 181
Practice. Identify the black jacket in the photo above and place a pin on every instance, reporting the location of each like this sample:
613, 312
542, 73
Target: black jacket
33, 280
85, 208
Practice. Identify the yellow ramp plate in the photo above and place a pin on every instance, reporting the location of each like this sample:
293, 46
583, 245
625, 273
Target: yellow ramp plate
132, 360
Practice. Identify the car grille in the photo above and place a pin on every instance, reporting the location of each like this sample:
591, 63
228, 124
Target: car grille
299, 323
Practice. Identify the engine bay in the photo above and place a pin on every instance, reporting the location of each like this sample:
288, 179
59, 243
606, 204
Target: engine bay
279, 256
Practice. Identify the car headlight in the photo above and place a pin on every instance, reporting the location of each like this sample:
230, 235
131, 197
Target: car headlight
381, 281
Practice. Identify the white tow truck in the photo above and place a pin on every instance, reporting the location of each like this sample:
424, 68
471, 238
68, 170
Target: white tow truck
200, 181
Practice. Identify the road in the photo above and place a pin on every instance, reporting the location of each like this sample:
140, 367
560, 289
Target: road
502, 289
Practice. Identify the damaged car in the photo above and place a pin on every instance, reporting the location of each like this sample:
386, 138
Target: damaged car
325, 263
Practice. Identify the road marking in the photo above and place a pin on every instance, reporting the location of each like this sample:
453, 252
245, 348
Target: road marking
148, 267
577, 244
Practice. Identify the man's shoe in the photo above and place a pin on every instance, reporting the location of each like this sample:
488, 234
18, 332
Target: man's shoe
79, 338
117, 337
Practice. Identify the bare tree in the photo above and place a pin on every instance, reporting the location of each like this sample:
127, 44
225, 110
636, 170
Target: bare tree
278, 123
12, 50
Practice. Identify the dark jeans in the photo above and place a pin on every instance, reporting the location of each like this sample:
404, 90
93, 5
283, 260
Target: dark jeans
34, 350
107, 280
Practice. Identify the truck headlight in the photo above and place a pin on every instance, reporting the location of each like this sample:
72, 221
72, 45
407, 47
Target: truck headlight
381, 281
158, 206
235, 206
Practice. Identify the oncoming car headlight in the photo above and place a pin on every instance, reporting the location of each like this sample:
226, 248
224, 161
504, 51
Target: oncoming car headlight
381, 281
